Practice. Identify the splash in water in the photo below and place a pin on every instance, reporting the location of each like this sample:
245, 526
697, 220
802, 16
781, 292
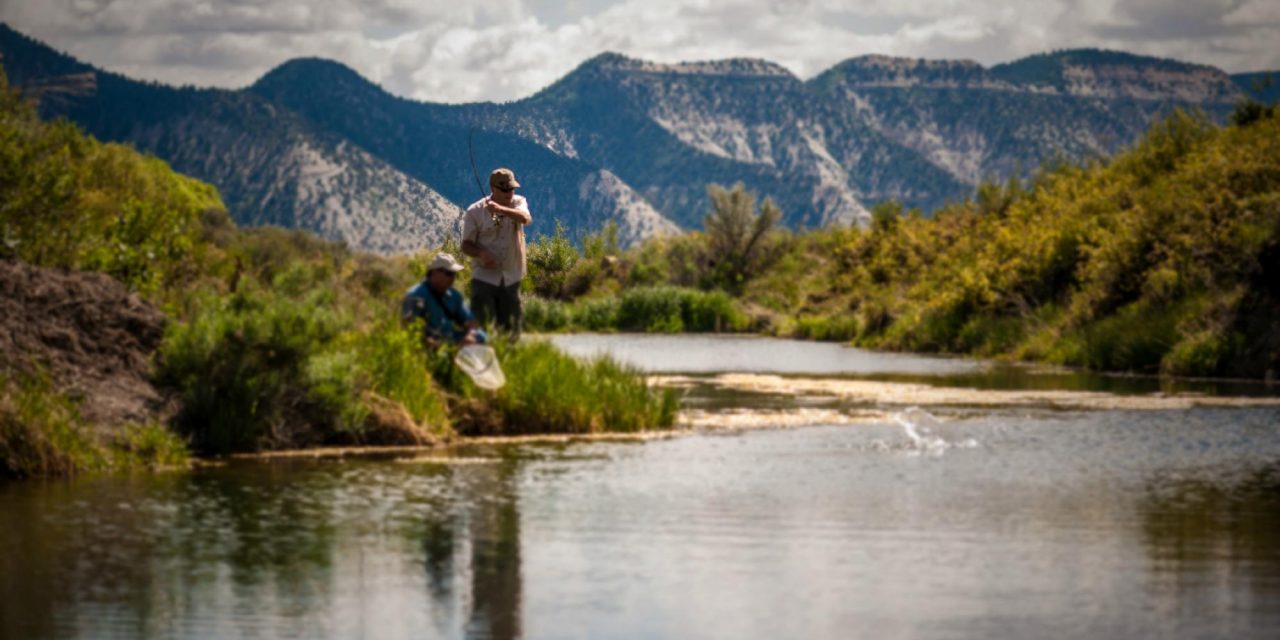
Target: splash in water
928, 434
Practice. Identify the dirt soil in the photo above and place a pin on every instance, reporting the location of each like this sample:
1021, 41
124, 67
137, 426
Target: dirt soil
92, 336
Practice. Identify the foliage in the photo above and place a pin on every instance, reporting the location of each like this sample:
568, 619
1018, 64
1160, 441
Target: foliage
548, 391
550, 259
249, 370
67, 200
42, 434
1139, 264
739, 243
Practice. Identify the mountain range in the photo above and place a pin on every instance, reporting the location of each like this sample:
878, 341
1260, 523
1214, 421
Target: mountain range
314, 145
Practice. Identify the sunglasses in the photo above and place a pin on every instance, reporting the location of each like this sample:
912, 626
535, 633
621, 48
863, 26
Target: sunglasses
504, 189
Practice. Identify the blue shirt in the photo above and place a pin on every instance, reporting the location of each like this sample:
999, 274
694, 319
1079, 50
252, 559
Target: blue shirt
444, 317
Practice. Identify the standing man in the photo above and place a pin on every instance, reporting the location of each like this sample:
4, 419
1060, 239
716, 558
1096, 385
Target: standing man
493, 234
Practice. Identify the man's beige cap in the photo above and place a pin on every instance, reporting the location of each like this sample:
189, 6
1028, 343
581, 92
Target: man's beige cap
503, 179
445, 261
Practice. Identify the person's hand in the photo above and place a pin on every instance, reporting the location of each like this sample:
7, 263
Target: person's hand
469, 339
488, 259
493, 207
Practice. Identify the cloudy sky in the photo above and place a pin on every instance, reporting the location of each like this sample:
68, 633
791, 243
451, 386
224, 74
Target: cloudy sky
466, 50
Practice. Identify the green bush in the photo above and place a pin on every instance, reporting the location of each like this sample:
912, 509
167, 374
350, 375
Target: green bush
548, 391
244, 371
837, 328
652, 309
541, 314
71, 201
393, 360
550, 260
597, 314
676, 309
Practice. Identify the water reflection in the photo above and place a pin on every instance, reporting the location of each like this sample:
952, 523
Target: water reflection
495, 557
1061, 524
292, 549
1224, 527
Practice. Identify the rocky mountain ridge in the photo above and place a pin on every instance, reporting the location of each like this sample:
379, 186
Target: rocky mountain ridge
313, 144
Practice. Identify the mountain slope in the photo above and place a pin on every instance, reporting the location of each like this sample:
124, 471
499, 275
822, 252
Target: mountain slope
669, 130
413, 138
978, 123
271, 166
314, 144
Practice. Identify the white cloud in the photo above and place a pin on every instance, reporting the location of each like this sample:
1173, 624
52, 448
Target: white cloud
507, 49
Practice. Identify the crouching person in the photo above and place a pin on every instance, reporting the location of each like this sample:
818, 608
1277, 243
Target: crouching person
444, 314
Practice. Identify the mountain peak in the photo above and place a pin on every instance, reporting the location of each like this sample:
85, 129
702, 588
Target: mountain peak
750, 67
309, 70
876, 70
1101, 73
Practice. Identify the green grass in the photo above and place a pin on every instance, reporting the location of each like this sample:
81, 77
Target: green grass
548, 391
660, 309
42, 435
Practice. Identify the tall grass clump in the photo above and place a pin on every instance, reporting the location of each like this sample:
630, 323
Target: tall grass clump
668, 309
246, 376
43, 435
548, 391
397, 370
40, 431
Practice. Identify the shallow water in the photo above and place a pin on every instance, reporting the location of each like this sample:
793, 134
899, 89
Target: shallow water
941, 522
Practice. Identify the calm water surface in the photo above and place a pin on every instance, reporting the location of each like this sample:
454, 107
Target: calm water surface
997, 523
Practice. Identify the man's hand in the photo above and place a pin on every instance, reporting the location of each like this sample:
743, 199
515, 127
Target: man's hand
469, 339
485, 256
511, 212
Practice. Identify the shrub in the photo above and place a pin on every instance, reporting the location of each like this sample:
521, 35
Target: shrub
393, 360
837, 328
541, 314
651, 309
676, 309
739, 240
597, 314
244, 373
550, 260
548, 391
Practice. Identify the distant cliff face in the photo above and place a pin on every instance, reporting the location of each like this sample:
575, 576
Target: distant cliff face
314, 145
977, 123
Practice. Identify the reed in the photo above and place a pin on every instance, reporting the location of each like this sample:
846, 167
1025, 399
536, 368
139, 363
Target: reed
548, 391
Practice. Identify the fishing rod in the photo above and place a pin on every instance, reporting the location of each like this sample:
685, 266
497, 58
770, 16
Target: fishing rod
471, 153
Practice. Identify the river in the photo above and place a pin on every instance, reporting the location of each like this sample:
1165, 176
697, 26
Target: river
815, 491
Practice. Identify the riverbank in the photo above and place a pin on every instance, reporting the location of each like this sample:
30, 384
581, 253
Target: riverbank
1162, 260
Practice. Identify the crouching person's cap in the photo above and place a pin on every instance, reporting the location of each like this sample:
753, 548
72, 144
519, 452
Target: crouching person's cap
447, 262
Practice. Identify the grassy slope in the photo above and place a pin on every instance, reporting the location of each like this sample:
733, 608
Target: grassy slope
278, 339
1163, 259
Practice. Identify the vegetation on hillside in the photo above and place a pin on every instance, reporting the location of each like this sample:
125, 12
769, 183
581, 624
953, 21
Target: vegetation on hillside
277, 338
1163, 260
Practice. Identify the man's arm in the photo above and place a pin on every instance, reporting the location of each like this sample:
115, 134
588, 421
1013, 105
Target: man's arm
519, 213
472, 248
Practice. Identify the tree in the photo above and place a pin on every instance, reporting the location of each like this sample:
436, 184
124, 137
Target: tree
740, 242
